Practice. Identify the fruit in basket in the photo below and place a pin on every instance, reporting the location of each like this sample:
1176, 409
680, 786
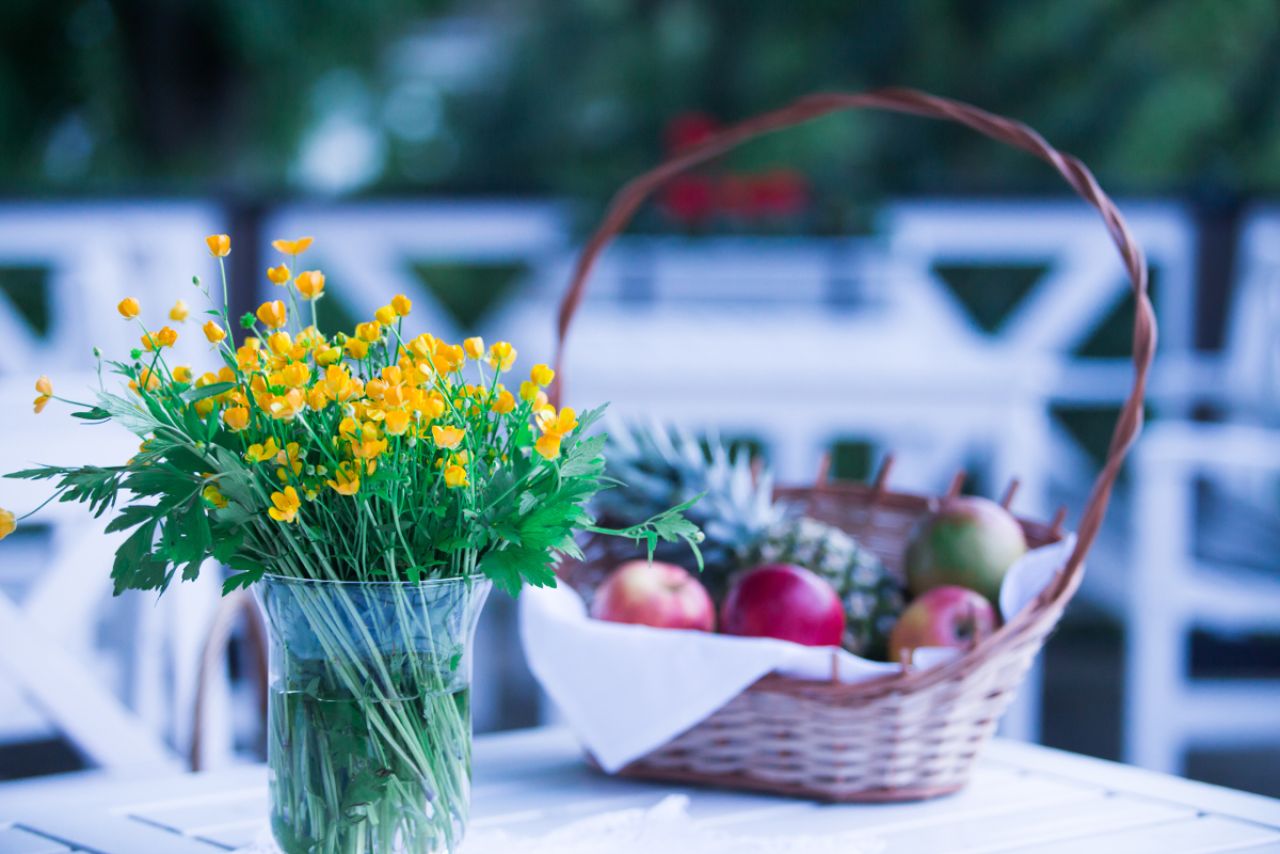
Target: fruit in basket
872, 597
948, 616
654, 594
661, 467
744, 526
970, 542
783, 601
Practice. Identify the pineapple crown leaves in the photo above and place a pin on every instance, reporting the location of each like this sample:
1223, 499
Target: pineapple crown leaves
659, 465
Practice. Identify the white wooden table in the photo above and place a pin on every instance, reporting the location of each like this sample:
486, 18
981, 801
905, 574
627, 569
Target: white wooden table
1023, 798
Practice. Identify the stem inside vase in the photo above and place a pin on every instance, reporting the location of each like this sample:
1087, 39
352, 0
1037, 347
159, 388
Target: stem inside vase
369, 713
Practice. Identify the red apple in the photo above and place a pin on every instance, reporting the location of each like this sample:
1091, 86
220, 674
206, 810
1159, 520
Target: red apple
654, 594
783, 601
949, 616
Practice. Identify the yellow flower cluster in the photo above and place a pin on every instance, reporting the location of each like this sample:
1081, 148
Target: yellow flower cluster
324, 412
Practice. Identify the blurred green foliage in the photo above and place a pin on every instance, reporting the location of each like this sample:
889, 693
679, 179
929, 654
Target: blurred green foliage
572, 97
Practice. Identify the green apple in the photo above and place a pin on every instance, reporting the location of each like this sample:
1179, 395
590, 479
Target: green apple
970, 542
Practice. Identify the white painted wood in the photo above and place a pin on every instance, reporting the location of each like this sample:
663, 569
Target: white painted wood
60, 684
1200, 835
1022, 798
1174, 592
15, 840
94, 254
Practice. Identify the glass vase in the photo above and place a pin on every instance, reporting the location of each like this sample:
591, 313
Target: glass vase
369, 717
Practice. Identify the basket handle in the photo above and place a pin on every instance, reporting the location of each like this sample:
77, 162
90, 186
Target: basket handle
913, 102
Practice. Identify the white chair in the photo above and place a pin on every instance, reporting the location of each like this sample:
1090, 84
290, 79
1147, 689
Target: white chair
126, 701
1218, 482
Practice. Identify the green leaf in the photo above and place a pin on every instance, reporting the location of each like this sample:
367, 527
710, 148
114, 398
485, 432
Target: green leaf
135, 567
134, 514
192, 395
240, 579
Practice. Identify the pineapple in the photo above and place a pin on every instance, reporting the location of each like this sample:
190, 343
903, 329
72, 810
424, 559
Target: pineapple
659, 467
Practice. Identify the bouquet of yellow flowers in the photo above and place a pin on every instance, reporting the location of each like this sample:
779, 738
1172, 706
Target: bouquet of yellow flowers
375, 482
363, 456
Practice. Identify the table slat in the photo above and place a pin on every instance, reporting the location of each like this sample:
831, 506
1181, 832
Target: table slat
15, 840
1200, 835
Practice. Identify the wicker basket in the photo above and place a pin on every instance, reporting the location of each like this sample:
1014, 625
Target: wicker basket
914, 734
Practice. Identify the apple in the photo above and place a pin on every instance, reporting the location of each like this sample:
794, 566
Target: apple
949, 616
654, 594
783, 601
970, 542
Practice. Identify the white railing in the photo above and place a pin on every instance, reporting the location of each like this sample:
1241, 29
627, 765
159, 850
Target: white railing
795, 342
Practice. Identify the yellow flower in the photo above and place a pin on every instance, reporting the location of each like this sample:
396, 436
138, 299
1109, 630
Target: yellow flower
182, 374
236, 418
317, 399
447, 437
447, 357
257, 453
280, 343
455, 476
290, 457
214, 497
296, 375
45, 387
502, 356
179, 312
213, 332
272, 314
542, 375
528, 390
167, 337
248, 358
375, 388
339, 383
148, 380
356, 348
128, 308
219, 245
369, 332
310, 284
402, 305
505, 402
285, 407
557, 425
204, 406
287, 505
346, 480
278, 275
385, 315
397, 421
474, 347
548, 446
7, 523
327, 356
370, 445
422, 346
292, 247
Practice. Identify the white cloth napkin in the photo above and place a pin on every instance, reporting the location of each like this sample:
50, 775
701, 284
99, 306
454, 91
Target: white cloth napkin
626, 690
